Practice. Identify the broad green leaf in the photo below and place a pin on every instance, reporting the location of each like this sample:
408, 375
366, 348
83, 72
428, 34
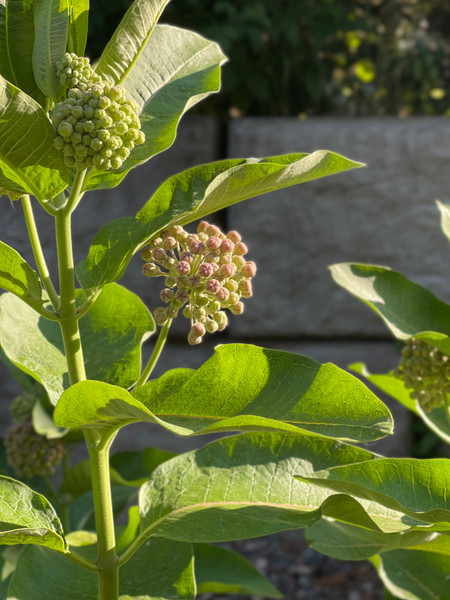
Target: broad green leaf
78, 26
350, 542
8, 560
171, 576
418, 488
128, 534
188, 70
43, 423
245, 387
17, 277
82, 514
16, 46
405, 307
436, 420
118, 318
77, 480
129, 40
196, 193
27, 154
27, 517
220, 571
51, 23
134, 468
241, 487
415, 574
445, 218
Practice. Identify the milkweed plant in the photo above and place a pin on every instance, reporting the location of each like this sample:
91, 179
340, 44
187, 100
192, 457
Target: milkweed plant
73, 339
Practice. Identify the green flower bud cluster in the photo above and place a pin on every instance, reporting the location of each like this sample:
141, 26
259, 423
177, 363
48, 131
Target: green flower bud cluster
98, 127
204, 274
426, 371
11, 195
76, 71
30, 454
22, 406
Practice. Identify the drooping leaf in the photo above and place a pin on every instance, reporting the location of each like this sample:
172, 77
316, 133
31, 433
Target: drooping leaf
27, 517
405, 307
118, 318
436, 420
196, 193
17, 277
220, 571
176, 70
170, 578
129, 40
241, 487
350, 542
27, 154
415, 574
51, 22
418, 488
286, 392
78, 26
16, 46
245, 387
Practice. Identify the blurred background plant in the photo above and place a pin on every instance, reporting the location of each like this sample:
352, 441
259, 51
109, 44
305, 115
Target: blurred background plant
316, 57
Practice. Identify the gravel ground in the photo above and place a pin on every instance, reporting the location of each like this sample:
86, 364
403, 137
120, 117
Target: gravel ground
301, 573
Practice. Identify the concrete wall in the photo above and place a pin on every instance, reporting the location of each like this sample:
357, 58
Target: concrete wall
382, 214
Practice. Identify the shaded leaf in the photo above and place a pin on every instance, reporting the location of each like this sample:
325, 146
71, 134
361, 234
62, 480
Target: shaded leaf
445, 218
27, 154
17, 277
78, 26
51, 22
8, 560
196, 193
418, 488
220, 571
16, 46
244, 387
117, 318
171, 576
415, 574
129, 533
27, 517
82, 514
405, 307
176, 70
241, 487
134, 468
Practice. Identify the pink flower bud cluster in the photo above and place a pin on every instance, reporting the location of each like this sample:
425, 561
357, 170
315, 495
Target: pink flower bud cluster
204, 273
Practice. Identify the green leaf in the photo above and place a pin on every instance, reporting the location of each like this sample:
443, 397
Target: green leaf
134, 468
27, 154
415, 575
78, 26
51, 22
17, 277
8, 560
241, 487
220, 571
16, 46
27, 517
244, 387
405, 307
436, 420
445, 218
418, 488
129, 533
196, 193
129, 40
350, 542
43, 422
170, 578
118, 318
82, 513
176, 70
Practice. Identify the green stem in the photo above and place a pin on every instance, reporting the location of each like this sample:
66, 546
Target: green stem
80, 560
132, 549
37, 251
155, 354
106, 543
98, 451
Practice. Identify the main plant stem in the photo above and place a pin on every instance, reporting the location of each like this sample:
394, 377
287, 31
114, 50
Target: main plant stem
98, 448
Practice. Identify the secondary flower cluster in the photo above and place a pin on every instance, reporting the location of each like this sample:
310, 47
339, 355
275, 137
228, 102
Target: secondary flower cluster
29, 453
97, 124
204, 273
76, 71
425, 370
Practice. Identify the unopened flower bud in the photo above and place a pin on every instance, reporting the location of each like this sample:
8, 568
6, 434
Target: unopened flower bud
171, 282
170, 243
206, 270
193, 339
212, 230
181, 297
211, 326
202, 226
249, 269
233, 299
237, 309
187, 256
221, 319
195, 281
227, 271
167, 295
160, 316
213, 286
213, 243
197, 329
240, 249
245, 287
202, 300
225, 259
197, 247
226, 246
222, 294
231, 285
151, 270
215, 306
199, 313
183, 267
234, 236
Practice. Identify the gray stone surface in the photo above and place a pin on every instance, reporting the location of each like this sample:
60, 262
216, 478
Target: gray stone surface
383, 214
